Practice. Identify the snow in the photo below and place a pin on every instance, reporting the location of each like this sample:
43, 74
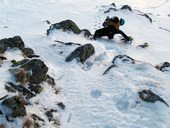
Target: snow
93, 100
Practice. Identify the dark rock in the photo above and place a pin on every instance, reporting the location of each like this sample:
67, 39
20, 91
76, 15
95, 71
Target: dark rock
22, 89
149, 96
147, 16
38, 70
169, 15
3, 58
35, 88
16, 105
145, 45
86, 33
67, 25
33, 56
1, 112
17, 63
35, 117
9, 119
61, 105
20, 74
4, 97
10, 89
47, 21
15, 42
113, 4
123, 59
110, 9
127, 7
50, 80
164, 29
164, 67
49, 115
68, 43
82, 53
108, 69
27, 51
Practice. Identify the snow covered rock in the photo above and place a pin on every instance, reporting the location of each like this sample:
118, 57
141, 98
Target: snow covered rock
15, 42
27, 51
123, 59
67, 25
145, 45
70, 26
17, 63
127, 7
149, 96
20, 88
20, 74
81, 53
35, 88
16, 105
50, 80
113, 4
164, 67
38, 70
85, 32
147, 16
33, 71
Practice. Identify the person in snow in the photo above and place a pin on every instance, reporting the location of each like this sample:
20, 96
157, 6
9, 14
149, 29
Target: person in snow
111, 27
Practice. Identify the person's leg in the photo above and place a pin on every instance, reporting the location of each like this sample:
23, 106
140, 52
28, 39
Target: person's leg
110, 36
99, 33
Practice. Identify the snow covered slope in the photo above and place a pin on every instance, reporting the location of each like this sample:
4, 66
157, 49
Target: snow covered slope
94, 100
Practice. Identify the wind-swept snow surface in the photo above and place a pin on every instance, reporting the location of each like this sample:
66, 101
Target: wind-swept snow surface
94, 100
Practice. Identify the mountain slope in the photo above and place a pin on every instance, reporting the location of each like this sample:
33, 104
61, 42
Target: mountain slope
94, 100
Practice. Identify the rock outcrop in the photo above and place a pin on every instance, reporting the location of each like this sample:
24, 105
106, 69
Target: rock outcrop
81, 53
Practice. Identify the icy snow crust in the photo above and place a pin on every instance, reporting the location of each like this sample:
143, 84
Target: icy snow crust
94, 100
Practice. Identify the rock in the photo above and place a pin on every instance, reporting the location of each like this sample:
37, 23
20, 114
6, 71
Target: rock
147, 16
149, 96
68, 43
82, 53
86, 33
67, 25
123, 59
108, 69
38, 70
145, 45
15, 42
127, 7
50, 80
4, 97
49, 115
35, 117
3, 58
164, 67
110, 9
10, 89
16, 105
22, 89
47, 21
17, 63
61, 105
164, 29
33, 56
20, 74
113, 4
27, 51
35, 88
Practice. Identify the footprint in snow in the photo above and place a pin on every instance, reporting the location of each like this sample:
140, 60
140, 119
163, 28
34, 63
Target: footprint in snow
95, 93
